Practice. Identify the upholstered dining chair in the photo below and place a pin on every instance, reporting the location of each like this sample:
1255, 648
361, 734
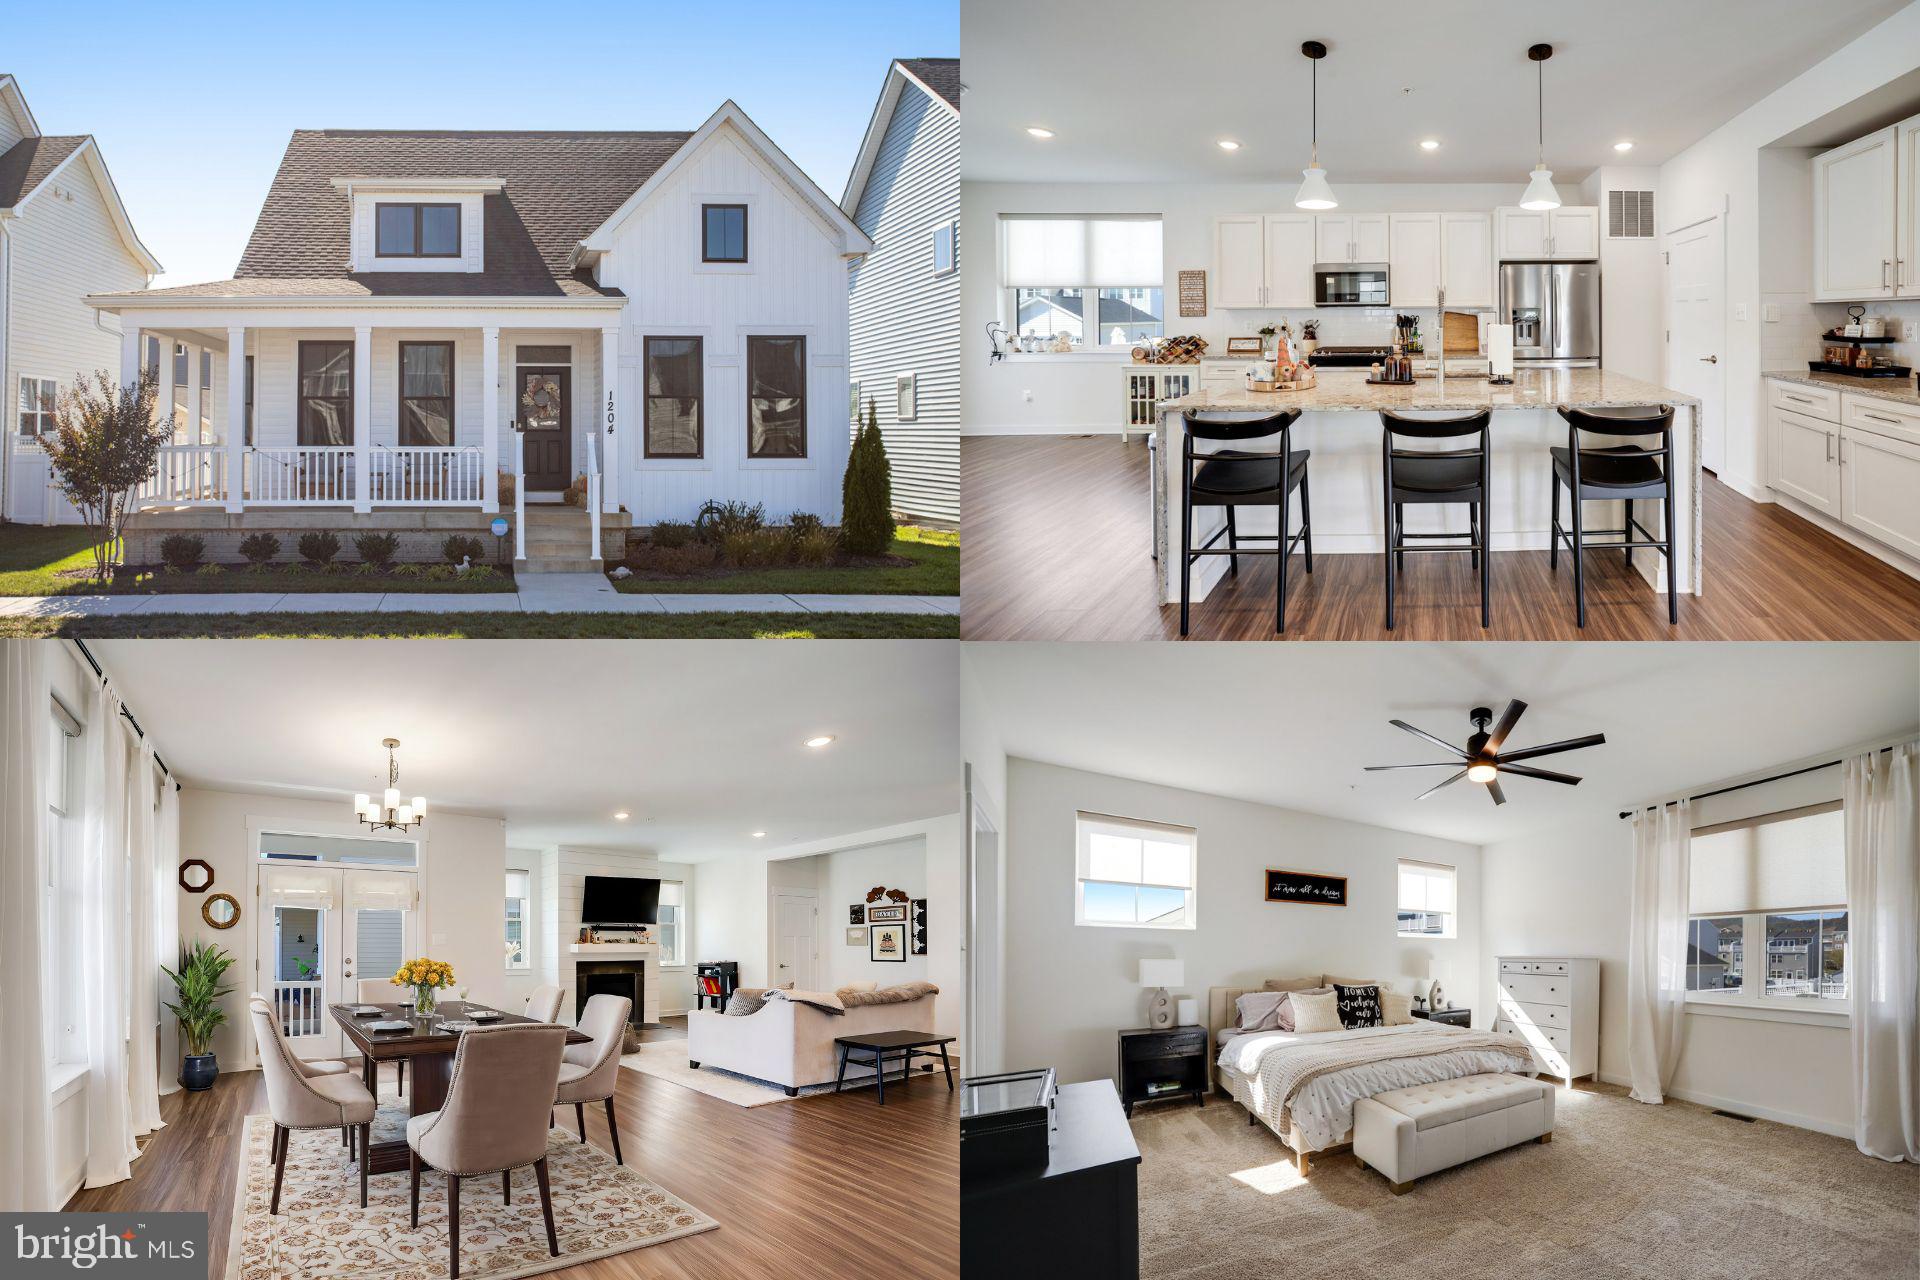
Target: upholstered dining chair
543, 1004
298, 1100
591, 1071
382, 991
490, 1122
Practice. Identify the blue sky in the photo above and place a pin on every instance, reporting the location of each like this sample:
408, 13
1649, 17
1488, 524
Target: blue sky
193, 106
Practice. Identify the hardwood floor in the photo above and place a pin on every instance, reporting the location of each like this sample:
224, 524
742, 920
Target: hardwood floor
823, 1185
1058, 539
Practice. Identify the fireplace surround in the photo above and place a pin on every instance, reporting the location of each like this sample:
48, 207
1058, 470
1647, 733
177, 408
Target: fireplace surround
610, 977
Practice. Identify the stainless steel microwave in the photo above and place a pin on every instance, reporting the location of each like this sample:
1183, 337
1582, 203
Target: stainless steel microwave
1350, 284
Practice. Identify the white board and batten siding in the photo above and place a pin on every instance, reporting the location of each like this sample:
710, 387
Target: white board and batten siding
906, 319
562, 876
794, 283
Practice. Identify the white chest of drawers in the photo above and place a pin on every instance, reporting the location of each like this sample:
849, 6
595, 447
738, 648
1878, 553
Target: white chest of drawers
1553, 1002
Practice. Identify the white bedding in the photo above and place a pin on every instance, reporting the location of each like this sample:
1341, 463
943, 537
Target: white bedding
1322, 1111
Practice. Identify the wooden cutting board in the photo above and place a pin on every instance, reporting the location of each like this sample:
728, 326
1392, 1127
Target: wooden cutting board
1460, 333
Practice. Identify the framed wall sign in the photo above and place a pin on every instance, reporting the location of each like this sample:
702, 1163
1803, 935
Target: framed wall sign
917, 923
856, 914
1306, 886
887, 942
856, 936
1193, 293
887, 915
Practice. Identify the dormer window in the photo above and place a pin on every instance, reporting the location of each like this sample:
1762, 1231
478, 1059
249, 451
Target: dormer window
723, 233
416, 230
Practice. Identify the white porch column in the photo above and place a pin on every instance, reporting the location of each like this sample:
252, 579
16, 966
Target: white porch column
490, 417
193, 395
362, 417
236, 418
130, 337
610, 420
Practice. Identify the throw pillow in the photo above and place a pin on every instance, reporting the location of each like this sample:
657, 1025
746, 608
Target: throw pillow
745, 1002
1309, 983
1315, 1011
1258, 1009
1283, 1017
1396, 1009
1359, 1006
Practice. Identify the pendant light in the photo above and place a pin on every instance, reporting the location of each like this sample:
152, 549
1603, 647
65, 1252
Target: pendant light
1314, 193
388, 812
1540, 193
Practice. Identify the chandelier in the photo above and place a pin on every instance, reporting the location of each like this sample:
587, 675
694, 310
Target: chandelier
388, 814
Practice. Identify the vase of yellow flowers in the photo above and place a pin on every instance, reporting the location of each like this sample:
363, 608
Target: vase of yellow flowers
425, 977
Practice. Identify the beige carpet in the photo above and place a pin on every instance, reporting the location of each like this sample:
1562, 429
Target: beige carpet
599, 1209
1623, 1190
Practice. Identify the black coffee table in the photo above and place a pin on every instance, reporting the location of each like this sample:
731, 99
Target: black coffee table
883, 1047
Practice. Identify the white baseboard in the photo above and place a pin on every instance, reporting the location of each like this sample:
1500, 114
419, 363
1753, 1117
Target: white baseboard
1752, 490
1746, 1109
1046, 429
1879, 551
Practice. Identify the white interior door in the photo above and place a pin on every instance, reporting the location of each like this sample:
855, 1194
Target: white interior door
1696, 338
796, 939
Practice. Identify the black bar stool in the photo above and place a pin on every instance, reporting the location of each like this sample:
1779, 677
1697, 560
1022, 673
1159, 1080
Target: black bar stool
1615, 473
1233, 478
1428, 476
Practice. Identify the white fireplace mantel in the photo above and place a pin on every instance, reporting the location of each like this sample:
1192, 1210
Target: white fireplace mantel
616, 950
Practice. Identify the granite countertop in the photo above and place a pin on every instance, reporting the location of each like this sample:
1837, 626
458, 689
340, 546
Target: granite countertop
1531, 389
1898, 390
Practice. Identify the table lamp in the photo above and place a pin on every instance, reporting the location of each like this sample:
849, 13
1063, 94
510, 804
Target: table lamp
1161, 974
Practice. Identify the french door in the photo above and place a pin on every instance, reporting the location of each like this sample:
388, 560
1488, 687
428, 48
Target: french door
322, 930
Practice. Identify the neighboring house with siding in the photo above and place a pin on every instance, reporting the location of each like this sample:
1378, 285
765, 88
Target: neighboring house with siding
658, 318
905, 347
64, 234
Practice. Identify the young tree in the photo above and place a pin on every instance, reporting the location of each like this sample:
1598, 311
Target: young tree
105, 441
866, 492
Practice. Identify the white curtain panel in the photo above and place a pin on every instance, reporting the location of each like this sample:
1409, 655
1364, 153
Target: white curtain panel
142, 958
103, 995
1657, 947
1883, 899
167, 938
26, 1155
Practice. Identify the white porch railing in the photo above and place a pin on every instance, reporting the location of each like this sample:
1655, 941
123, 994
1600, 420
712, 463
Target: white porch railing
519, 496
423, 476
593, 494
300, 475
186, 475
300, 1007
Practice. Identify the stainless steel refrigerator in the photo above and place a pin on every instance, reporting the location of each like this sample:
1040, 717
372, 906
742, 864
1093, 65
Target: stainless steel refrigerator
1554, 308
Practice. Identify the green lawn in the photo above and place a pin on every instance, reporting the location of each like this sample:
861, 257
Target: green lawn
30, 556
497, 626
935, 571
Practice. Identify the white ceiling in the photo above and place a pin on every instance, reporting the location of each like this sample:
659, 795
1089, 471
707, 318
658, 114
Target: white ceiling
700, 740
1139, 90
1294, 725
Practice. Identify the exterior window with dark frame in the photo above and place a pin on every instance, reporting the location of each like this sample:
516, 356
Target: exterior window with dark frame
776, 397
723, 233
326, 393
416, 230
676, 395
426, 394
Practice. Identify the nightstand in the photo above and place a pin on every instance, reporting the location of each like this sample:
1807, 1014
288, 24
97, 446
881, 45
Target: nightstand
1452, 1017
1152, 1055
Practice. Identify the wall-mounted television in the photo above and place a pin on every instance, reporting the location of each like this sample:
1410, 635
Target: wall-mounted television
612, 901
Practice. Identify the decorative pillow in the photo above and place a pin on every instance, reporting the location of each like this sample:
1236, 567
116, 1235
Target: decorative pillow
1283, 1017
1309, 983
1359, 1006
1396, 1009
746, 1000
1259, 1010
1315, 1011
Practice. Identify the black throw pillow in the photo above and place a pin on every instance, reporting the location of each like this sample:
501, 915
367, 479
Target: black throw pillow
1359, 1006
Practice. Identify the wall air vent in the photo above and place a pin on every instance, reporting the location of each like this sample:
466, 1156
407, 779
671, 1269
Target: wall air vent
1630, 215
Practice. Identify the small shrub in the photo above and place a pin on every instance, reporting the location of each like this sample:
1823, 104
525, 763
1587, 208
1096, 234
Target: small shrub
440, 573
476, 571
377, 549
319, 547
670, 534
801, 523
718, 519
816, 548
460, 547
866, 493
755, 548
209, 571
182, 552
259, 549
365, 569
409, 570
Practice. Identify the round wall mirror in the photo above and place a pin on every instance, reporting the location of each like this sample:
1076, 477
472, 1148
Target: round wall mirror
220, 911
195, 875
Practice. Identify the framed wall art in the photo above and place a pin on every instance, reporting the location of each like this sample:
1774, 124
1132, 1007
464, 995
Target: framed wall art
1306, 886
917, 927
856, 936
887, 915
887, 943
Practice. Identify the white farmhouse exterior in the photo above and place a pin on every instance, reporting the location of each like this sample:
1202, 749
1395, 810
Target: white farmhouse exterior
63, 234
651, 319
904, 192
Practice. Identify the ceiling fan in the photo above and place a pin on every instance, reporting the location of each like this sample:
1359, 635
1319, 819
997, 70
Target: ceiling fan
1481, 760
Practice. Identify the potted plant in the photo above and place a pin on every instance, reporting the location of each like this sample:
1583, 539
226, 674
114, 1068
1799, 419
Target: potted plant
202, 965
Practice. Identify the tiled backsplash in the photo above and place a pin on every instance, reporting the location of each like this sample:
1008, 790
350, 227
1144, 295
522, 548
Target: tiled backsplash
1795, 338
1339, 326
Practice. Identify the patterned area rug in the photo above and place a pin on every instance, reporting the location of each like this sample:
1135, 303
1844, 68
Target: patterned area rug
667, 1060
599, 1209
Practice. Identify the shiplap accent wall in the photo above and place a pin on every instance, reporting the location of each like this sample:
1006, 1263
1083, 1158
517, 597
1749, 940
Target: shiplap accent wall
905, 319
562, 873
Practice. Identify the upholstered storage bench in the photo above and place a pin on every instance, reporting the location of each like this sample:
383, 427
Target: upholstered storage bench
1410, 1133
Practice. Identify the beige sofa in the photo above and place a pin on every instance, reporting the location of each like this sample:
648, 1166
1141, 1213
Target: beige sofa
791, 1044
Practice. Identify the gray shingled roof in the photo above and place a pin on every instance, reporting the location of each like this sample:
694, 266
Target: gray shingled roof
942, 75
26, 164
560, 188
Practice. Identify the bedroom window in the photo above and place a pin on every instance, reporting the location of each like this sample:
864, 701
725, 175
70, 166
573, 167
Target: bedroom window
519, 921
1768, 907
1132, 874
1428, 900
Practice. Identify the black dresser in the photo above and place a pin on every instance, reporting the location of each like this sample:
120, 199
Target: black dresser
1076, 1217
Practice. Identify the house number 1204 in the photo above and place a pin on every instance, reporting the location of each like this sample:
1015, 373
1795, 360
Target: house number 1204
609, 412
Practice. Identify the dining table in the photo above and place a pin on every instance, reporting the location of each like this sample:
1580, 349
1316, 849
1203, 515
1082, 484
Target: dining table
426, 1045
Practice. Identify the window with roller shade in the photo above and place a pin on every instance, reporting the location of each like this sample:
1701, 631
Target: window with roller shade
1097, 280
1768, 908
519, 921
1428, 901
1133, 874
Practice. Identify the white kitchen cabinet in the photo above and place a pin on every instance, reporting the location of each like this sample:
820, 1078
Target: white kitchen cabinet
1573, 232
1570, 233
1354, 237
1856, 216
1466, 259
1521, 234
1906, 252
1880, 487
1413, 259
1289, 267
1806, 461
1240, 263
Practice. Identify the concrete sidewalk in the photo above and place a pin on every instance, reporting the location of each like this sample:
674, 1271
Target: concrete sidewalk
538, 593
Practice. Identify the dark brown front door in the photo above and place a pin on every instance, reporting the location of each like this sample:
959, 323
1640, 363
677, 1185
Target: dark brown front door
545, 397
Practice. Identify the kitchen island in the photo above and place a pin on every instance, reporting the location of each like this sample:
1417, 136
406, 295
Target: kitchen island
1339, 423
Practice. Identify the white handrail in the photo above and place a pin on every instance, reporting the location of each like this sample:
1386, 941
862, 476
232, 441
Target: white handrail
519, 496
593, 494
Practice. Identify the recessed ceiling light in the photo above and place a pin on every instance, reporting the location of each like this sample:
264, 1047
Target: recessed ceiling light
1623, 146
1429, 144
759, 835
820, 741
1228, 144
1037, 132
621, 816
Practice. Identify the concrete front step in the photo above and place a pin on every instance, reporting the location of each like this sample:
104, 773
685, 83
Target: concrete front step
557, 564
